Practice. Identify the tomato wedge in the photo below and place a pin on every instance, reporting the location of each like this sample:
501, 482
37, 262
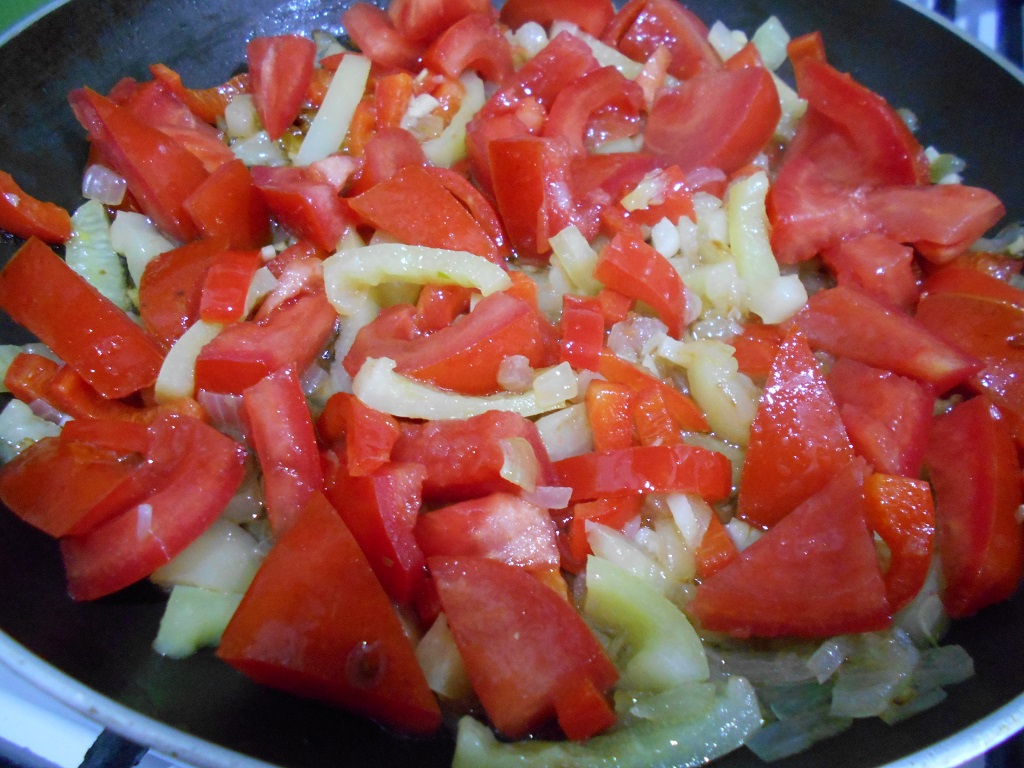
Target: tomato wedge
797, 439
814, 574
228, 205
24, 216
280, 68
335, 634
976, 478
642, 26
82, 327
204, 469
526, 649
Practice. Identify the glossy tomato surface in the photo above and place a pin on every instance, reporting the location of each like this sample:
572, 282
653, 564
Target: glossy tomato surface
966, 103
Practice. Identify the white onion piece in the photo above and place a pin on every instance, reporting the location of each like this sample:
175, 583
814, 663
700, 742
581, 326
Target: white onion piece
225, 412
177, 377
520, 466
441, 663
134, 237
103, 185
566, 432
549, 496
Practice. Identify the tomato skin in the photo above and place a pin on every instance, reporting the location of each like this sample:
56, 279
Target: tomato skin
343, 642
25, 216
380, 509
243, 353
499, 526
814, 574
474, 42
281, 432
415, 208
631, 266
976, 479
641, 26
464, 357
464, 457
591, 16
955, 278
227, 205
901, 511
171, 288
719, 119
886, 416
280, 68
646, 469
160, 173
204, 470
797, 440
524, 646
847, 323
88, 476
82, 327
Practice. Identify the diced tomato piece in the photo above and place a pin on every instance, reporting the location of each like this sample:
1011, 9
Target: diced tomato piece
415, 208
243, 353
653, 420
228, 205
381, 508
204, 469
610, 413
989, 331
424, 20
226, 286
878, 266
716, 550
25, 216
473, 43
631, 266
684, 410
615, 306
797, 440
901, 511
646, 469
720, 119
171, 288
280, 68
582, 710
810, 45
336, 636
479, 206
87, 475
615, 513
940, 220
756, 349
975, 475
29, 375
160, 172
464, 457
641, 26
366, 434
155, 104
281, 432
847, 323
385, 154
465, 356
499, 526
598, 91
886, 416
205, 103
591, 16
374, 34
82, 327
438, 305
814, 574
304, 204
582, 332
503, 619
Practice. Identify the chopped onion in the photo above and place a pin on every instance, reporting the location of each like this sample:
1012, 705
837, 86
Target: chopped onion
555, 385
566, 432
134, 237
771, 39
515, 374
549, 496
177, 377
829, 656
240, 117
20, 428
520, 466
223, 558
224, 412
259, 149
441, 663
103, 185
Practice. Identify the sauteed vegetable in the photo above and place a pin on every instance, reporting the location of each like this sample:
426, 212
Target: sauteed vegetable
593, 382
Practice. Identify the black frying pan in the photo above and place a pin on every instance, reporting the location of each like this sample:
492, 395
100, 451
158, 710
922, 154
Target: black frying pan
97, 655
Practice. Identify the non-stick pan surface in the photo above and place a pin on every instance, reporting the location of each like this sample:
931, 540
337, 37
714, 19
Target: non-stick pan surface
967, 104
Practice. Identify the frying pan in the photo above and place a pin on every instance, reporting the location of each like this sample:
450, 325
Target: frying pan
97, 656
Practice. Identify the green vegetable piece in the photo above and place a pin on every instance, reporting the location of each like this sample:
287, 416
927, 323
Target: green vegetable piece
683, 741
194, 618
662, 648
